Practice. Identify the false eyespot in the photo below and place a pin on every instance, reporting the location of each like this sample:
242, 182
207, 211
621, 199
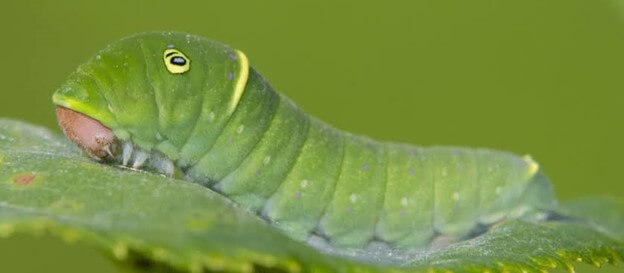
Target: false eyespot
175, 61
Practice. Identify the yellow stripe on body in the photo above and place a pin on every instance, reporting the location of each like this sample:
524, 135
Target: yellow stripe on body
239, 88
533, 167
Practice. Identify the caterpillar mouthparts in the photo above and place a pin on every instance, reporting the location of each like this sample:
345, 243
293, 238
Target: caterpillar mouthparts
87, 133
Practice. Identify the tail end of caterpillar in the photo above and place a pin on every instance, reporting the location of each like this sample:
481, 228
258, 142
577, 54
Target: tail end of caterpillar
87, 133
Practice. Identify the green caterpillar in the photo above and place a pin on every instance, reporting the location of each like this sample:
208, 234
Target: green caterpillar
186, 106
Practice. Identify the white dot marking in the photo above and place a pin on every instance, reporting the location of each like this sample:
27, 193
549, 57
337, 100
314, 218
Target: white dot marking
404, 202
353, 198
267, 160
456, 196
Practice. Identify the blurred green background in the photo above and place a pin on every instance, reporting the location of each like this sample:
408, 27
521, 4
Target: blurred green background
529, 76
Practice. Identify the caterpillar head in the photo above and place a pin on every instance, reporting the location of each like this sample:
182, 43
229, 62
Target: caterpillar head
148, 89
89, 134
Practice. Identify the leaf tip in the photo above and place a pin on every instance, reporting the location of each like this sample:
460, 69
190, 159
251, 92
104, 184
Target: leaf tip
246, 268
120, 251
215, 263
159, 254
196, 267
293, 267
70, 236
6, 230
570, 268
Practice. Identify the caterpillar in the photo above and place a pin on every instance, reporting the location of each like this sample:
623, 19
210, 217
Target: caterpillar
189, 107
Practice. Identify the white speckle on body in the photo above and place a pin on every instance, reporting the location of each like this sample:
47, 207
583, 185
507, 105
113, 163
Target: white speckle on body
499, 190
267, 160
211, 116
456, 196
404, 202
240, 129
353, 197
98, 57
304, 183
444, 172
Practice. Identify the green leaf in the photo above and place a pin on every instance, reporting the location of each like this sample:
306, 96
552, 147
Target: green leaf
149, 221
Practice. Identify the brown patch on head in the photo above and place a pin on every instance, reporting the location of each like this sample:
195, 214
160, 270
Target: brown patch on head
24, 179
89, 134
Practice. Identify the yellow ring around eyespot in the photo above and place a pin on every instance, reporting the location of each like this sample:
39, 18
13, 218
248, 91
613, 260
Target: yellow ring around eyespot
171, 53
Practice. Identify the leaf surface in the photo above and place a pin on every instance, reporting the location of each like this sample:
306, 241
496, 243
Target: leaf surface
150, 221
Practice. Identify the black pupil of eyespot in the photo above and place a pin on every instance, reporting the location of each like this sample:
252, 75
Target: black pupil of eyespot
178, 61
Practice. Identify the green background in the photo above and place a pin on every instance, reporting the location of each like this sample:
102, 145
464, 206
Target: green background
529, 76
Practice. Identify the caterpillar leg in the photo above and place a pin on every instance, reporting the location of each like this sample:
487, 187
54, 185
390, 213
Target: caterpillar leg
140, 159
126, 153
162, 165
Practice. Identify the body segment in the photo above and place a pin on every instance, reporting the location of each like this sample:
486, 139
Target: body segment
176, 99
